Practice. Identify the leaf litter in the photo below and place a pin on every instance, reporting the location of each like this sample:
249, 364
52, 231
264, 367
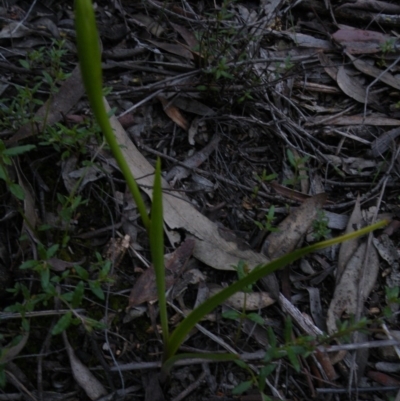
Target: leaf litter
222, 115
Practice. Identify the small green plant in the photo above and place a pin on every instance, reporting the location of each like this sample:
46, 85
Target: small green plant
266, 225
297, 163
51, 288
6, 155
243, 270
302, 346
387, 47
261, 179
90, 62
392, 295
320, 226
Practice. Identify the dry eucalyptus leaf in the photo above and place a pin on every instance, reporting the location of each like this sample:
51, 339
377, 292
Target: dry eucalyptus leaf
352, 86
179, 214
247, 301
83, 376
293, 228
348, 248
359, 41
173, 113
375, 72
147, 22
357, 280
145, 287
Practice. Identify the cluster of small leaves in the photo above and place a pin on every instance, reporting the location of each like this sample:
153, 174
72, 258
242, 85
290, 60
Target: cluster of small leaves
243, 270
51, 288
320, 226
392, 295
6, 155
297, 163
20, 109
267, 224
264, 177
302, 346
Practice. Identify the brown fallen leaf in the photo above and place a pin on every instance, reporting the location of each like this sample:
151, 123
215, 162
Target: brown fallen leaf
145, 288
347, 291
83, 376
293, 228
173, 113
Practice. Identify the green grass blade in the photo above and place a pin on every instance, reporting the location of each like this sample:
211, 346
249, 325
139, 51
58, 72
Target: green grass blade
179, 334
157, 249
90, 65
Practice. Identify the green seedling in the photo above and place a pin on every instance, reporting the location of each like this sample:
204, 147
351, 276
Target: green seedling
320, 226
90, 63
267, 224
243, 270
6, 155
264, 177
297, 163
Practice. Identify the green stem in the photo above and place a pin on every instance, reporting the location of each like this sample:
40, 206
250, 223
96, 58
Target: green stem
90, 64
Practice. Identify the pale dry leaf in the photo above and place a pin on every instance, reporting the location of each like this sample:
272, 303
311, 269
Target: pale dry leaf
179, 214
83, 376
173, 113
352, 86
347, 290
293, 228
359, 41
147, 22
244, 301
14, 30
375, 72
178, 49
187, 35
384, 142
348, 248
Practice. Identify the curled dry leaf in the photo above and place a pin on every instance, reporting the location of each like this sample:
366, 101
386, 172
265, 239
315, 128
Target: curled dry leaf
293, 228
173, 113
145, 288
83, 376
356, 283
246, 301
